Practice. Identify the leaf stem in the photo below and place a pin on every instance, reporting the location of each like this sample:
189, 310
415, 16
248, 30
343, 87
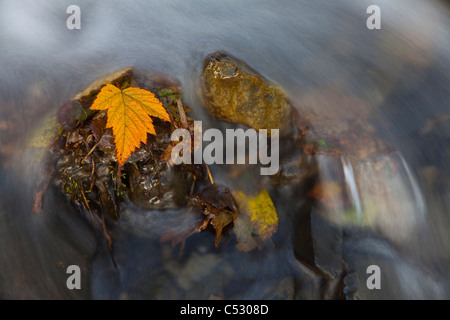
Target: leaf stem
209, 174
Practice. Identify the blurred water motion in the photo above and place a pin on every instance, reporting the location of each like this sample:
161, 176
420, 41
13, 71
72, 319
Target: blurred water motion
381, 194
387, 207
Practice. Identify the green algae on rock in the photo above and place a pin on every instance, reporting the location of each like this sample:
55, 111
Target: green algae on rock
234, 92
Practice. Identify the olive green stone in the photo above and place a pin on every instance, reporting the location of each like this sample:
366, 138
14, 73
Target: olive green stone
236, 93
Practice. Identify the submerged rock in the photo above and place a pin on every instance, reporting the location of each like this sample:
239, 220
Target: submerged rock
234, 92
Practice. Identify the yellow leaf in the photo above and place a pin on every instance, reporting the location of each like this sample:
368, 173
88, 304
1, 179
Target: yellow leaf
258, 217
129, 113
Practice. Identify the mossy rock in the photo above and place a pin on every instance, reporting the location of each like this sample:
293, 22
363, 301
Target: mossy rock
85, 162
234, 92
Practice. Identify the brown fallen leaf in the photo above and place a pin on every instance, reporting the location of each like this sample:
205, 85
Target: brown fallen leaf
219, 208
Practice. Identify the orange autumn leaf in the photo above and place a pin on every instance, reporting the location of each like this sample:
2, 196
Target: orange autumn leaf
257, 221
129, 113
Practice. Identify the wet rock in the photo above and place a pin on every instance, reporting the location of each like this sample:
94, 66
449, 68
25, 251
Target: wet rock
236, 93
159, 186
267, 289
327, 244
401, 276
85, 160
42, 138
75, 111
200, 277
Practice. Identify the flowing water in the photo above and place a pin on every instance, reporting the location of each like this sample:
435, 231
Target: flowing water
391, 210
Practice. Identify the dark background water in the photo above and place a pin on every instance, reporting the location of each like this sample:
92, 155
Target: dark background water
401, 70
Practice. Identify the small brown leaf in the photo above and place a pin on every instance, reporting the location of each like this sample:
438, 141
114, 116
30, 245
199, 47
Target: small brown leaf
219, 208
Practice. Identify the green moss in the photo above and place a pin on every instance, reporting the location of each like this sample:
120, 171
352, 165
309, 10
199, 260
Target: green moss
71, 186
322, 143
43, 137
164, 93
47, 132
